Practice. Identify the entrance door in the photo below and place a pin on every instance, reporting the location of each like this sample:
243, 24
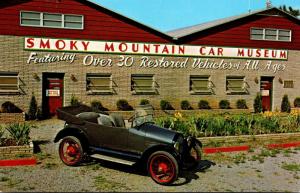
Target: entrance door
52, 92
266, 89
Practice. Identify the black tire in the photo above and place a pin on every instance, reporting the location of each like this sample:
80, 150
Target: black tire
70, 151
163, 167
193, 158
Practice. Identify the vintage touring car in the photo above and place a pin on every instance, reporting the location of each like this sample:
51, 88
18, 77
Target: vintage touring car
104, 136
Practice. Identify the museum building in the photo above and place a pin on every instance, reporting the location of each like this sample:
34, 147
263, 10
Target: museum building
56, 49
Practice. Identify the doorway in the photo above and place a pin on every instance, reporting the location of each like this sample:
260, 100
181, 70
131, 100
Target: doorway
266, 90
53, 91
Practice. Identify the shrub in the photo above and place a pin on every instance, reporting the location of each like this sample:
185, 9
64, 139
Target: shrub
97, 106
74, 101
297, 102
224, 104
9, 107
165, 105
123, 105
285, 104
39, 113
257, 105
203, 104
185, 105
32, 108
144, 102
19, 132
241, 104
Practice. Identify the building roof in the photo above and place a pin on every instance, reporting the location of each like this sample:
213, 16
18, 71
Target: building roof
164, 34
186, 31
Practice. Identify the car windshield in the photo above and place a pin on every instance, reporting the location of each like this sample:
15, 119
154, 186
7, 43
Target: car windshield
143, 114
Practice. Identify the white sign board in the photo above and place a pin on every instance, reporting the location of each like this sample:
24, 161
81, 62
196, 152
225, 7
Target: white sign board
69, 45
52, 93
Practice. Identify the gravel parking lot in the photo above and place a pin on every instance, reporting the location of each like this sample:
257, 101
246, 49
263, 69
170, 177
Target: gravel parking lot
259, 170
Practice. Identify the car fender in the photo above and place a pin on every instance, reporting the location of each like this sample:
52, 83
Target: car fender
159, 147
72, 131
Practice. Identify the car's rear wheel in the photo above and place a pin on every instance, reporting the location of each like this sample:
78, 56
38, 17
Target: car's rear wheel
71, 151
163, 167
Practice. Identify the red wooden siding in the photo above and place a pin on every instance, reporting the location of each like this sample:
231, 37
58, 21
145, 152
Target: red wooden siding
237, 33
99, 24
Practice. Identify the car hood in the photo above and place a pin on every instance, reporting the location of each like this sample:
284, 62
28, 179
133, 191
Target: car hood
156, 134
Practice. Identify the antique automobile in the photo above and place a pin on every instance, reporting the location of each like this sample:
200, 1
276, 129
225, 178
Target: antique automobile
138, 141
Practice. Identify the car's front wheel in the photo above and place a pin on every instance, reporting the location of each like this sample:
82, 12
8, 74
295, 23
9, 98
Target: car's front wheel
163, 167
71, 151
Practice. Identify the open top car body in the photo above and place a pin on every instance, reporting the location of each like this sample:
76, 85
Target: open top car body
99, 135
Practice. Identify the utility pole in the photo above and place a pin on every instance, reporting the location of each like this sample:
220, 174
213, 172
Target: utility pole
269, 4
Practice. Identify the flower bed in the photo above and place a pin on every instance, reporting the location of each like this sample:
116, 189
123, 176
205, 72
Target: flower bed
17, 143
225, 124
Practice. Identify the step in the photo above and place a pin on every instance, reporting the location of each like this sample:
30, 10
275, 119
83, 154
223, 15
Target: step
112, 159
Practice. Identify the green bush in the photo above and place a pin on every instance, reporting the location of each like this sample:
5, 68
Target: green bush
285, 104
165, 105
144, 102
9, 107
241, 104
97, 106
257, 105
32, 108
297, 102
74, 101
209, 125
123, 105
40, 114
185, 105
19, 132
224, 104
203, 104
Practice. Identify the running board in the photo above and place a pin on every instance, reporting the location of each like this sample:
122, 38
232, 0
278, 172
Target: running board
112, 159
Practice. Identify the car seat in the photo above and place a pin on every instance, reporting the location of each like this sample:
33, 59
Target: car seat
117, 119
105, 120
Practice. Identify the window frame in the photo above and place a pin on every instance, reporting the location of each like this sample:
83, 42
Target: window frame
63, 21
143, 92
10, 75
99, 76
290, 81
243, 88
208, 91
273, 29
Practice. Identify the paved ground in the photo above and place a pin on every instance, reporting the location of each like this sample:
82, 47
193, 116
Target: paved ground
261, 170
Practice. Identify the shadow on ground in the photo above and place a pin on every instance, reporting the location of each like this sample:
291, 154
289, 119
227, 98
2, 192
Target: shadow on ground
185, 176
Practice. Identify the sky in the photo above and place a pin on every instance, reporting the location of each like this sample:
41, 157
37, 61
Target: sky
166, 15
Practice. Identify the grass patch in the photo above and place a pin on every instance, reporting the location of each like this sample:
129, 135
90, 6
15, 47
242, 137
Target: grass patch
102, 184
4, 179
291, 167
41, 156
50, 166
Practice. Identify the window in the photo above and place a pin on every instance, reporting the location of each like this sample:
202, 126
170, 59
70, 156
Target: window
51, 20
143, 84
9, 82
271, 34
235, 84
288, 84
99, 83
200, 84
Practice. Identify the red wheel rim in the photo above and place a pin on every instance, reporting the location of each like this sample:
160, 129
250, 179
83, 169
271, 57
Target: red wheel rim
162, 168
69, 151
